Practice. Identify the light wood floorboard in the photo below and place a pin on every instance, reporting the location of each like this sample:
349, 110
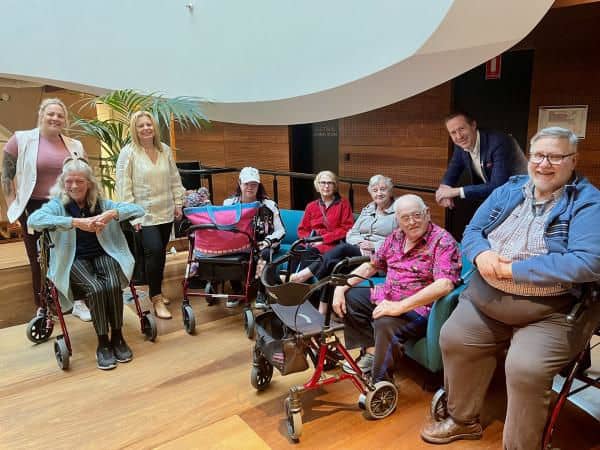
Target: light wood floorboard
194, 392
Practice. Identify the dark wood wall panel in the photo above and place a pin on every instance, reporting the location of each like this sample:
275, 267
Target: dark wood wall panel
406, 141
566, 71
420, 167
230, 145
573, 81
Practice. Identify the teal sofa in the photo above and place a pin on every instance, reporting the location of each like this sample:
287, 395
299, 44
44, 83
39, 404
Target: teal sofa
426, 351
291, 219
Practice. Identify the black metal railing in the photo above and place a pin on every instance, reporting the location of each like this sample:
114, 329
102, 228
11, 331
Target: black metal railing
208, 172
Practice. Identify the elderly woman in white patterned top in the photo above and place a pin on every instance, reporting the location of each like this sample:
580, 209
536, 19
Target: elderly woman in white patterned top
147, 176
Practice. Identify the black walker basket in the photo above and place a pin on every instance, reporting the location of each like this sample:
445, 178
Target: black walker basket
282, 349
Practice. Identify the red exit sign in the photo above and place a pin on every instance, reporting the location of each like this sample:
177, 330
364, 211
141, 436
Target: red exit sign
493, 68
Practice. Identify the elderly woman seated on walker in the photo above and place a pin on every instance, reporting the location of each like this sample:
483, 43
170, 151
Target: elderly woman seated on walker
90, 258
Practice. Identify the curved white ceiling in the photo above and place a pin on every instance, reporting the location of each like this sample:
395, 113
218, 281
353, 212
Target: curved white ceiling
265, 61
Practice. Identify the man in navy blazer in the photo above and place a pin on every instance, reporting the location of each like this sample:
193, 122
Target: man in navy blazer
489, 156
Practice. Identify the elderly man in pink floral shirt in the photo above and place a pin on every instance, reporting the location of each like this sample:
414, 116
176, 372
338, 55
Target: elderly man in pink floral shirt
423, 263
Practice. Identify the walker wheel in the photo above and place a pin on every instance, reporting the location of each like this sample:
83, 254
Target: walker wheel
39, 329
261, 374
439, 405
149, 326
61, 352
381, 401
249, 323
189, 320
294, 421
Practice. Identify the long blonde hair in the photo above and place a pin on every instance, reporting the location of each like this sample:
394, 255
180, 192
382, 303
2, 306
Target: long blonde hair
135, 139
78, 165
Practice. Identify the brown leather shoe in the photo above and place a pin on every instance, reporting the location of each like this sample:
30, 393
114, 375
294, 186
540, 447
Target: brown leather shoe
448, 430
160, 310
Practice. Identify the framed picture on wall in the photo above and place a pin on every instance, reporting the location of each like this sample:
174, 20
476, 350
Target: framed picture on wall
572, 117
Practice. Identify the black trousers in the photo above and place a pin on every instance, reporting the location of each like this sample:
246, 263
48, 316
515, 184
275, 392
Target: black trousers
332, 257
386, 334
30, 241
155, 239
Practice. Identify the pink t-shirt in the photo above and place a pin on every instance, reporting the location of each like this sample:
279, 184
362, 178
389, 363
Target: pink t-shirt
49, 164
434, 257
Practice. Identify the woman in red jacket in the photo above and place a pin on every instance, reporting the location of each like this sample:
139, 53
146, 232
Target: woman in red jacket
329, 217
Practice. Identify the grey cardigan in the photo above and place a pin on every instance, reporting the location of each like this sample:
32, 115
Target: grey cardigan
371, 226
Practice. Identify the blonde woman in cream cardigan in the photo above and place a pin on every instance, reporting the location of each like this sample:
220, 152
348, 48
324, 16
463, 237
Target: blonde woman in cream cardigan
147, 176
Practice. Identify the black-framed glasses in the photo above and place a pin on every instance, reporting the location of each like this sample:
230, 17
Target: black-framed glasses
554, 159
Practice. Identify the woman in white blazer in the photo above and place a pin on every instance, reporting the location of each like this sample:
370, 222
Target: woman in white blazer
33, 160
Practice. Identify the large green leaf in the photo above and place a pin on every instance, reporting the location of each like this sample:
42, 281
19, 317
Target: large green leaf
113, 133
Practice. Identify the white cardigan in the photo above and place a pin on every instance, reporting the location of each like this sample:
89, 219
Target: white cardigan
26, 171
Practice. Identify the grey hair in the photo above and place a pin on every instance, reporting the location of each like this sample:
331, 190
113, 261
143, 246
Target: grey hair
203, 190
409, 197
557, 133
77, 166
378, 179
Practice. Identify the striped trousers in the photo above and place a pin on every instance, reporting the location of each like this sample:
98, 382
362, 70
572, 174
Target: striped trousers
98, 281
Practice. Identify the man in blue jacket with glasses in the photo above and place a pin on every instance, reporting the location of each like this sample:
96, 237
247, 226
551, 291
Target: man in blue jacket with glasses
536, 244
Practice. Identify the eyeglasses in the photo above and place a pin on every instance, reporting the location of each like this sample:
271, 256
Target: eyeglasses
326, 183
416, 216
554, 159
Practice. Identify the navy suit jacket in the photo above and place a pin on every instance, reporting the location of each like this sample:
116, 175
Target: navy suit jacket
497, 153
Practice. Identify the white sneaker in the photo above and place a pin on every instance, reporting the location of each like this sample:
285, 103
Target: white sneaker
364, 363
81, 310
128, 295
232, 303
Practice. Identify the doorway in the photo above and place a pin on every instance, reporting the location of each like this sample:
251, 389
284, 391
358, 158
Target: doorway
501, 105
313, 147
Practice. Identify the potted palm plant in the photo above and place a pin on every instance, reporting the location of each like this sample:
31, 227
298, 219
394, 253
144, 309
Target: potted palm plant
112, 127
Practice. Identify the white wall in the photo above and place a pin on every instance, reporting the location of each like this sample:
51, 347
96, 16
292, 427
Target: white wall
265, 61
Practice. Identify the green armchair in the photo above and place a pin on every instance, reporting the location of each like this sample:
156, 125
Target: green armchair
426, 351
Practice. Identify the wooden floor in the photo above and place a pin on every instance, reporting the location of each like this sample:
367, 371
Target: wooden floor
194, 392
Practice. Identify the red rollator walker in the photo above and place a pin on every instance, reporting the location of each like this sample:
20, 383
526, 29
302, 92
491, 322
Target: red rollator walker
222, 246
293, 329
574, 371
39, 329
